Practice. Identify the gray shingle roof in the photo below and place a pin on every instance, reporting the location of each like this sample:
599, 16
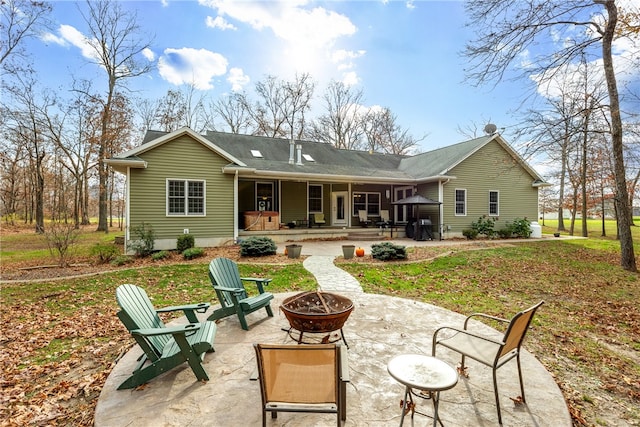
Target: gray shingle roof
331, 161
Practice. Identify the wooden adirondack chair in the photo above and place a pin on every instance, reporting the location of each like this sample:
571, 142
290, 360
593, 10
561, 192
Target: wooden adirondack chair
164, 347
232, 295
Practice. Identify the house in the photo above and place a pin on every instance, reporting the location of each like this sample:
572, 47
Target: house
219, 187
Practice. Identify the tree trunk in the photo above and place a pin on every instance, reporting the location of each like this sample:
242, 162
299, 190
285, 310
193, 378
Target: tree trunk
627, 256
103, 171
39, 195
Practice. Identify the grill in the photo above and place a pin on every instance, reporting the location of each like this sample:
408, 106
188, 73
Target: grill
317, 312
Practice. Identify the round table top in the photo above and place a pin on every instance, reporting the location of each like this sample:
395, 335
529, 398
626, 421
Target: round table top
422, 372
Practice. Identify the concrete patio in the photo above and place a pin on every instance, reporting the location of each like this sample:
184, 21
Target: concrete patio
378, 329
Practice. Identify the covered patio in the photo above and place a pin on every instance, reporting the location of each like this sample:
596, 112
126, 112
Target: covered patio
379, 328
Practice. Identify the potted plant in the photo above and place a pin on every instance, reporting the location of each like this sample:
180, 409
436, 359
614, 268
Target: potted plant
348, 251
293, 251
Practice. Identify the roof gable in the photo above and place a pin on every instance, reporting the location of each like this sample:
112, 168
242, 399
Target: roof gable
154, 139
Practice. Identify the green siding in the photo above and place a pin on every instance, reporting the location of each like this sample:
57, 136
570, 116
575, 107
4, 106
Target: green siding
294, 201
182, 158
490, 169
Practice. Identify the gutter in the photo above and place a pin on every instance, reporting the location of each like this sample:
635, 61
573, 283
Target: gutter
246, 172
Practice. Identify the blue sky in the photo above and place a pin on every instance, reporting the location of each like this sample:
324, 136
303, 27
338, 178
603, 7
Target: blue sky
403, 55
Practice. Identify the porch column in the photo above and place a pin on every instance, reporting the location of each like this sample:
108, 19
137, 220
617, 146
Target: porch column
235, 207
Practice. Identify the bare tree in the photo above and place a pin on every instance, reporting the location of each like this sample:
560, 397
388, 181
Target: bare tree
233, 111
19, 20
113, 40
267, 112
194, 108
506, 30
385, 135
342, 123
147, 112
297, 102
172, 111
26, 124
280, 109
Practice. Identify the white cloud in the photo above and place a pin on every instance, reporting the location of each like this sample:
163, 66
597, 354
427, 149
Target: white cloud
68, 35
219, 22
52, 38
192, 66
148, 53
237, 79
307, 34
350, 78
289, 20
341, 55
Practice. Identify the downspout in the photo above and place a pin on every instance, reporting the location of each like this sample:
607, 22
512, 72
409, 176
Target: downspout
441, 207
349, 207
127, 211
235, 207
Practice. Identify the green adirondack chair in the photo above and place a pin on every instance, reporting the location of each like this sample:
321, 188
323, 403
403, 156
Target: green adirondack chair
232, 295
164, 347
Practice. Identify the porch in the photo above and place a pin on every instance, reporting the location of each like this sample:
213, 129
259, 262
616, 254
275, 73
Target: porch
297, 234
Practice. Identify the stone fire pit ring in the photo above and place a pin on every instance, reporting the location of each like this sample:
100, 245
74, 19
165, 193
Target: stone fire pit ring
317, 312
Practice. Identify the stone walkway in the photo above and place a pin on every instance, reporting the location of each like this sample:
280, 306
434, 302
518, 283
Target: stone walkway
330, 278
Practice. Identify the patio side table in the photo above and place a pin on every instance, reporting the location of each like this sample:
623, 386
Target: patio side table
427, 374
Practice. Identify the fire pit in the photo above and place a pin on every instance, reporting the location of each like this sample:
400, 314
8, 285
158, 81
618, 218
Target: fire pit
317, 312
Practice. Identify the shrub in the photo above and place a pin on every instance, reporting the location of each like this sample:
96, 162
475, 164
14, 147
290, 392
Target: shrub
470, 233
105, 252
484, 225
60, 237
185, 242
157, 256
121, 260
192, 253
505, 233
145, 239
258, 246
521, 228
386, 251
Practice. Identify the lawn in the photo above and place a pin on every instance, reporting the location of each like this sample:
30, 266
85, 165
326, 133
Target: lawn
61, 338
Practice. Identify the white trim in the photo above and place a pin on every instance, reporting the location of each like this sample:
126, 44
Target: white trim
321, 197
455, 202
186, 213
366, 203
497, 203
127, 234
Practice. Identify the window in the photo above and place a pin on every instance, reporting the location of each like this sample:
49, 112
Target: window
185, 197
264, 196
461, 202
315, 198
369, 202
493, 203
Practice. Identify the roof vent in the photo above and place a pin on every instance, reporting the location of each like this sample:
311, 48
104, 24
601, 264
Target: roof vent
490, 129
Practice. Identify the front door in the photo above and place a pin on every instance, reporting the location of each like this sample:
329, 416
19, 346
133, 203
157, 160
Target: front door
339, 208
402, 212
